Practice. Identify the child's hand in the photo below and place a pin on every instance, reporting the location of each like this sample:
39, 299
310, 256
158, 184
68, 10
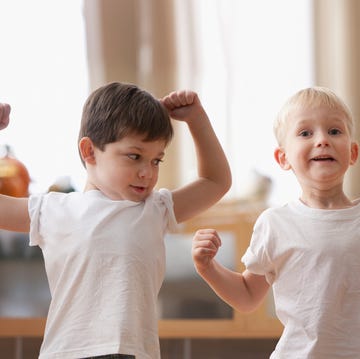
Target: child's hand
205, 245
4, 115
183, 105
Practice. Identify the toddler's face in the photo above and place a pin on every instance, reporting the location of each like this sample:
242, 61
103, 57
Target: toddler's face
128, 169
317, 146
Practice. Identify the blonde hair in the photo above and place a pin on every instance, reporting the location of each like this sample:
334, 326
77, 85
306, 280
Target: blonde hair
311, 97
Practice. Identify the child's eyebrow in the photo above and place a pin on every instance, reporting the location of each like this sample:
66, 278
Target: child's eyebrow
141, 149
330, 119
302, 123
137, 148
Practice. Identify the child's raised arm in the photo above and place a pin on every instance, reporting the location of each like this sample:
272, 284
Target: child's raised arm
242, 291
214, 176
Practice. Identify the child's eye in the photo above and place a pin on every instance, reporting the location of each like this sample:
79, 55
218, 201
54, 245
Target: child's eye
133, 156
157, 162
304, 133
334, 131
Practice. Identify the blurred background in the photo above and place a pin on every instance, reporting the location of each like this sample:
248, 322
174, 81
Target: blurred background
244, 58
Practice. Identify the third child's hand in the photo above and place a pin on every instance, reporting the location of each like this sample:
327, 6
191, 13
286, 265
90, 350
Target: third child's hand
4, 115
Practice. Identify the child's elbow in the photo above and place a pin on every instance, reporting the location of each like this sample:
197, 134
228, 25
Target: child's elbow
226, 184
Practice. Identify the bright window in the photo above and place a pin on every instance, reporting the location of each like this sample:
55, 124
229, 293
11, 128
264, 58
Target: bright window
44, 76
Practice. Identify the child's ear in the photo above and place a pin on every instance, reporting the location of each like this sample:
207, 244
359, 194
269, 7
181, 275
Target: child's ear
280, 157
354, 153
86, 149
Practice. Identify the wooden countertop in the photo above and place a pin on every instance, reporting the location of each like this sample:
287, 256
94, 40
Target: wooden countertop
34, 327
22, 327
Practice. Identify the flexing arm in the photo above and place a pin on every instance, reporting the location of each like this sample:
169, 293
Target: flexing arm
214, 176
242, 291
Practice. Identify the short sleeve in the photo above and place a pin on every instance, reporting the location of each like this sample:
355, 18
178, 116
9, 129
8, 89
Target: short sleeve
256, 258
167, 200
34, 207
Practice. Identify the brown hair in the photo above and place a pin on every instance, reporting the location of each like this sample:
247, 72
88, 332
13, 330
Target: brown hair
116, 110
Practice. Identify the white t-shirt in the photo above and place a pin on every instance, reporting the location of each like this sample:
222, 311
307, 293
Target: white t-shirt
312, 259
105, 263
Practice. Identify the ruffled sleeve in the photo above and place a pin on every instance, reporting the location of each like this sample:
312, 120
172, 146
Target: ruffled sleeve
165, 197
34, 207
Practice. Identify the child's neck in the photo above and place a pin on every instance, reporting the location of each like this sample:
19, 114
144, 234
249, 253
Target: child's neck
326, 199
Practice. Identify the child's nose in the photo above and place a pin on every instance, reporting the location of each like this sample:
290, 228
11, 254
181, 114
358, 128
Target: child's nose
322, 139
146, 171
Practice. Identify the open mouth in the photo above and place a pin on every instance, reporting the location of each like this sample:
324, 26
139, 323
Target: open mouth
323, 159
139, 188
